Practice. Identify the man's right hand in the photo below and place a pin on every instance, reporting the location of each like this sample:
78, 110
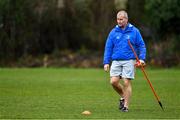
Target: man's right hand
106, 67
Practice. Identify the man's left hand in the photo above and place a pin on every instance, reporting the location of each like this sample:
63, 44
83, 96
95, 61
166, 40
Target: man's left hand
140, 63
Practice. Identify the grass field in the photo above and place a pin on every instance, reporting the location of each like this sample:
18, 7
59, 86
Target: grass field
64, 93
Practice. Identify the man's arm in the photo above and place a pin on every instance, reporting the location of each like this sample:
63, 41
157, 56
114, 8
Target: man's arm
141, 47
108, 49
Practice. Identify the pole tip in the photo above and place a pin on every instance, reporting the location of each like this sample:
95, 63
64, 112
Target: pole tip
161, 105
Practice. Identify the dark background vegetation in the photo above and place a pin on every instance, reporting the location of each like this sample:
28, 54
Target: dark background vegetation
72, 33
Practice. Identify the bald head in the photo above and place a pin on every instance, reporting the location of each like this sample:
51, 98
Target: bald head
122, 13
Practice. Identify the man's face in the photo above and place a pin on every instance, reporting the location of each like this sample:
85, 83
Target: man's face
122, 21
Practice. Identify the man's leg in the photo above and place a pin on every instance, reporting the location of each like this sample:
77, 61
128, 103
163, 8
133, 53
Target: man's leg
117, 86
127, 91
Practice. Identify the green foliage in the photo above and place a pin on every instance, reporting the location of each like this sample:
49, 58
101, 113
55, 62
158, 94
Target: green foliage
89, 20
164, 15
38, 27
135, 8
163, 19
16, 18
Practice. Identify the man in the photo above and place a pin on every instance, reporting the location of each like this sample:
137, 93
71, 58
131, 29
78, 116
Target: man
118, 51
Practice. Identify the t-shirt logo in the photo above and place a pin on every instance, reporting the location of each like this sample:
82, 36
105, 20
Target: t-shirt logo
127, 37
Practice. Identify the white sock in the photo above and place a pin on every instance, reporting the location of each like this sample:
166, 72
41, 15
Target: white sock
122, 98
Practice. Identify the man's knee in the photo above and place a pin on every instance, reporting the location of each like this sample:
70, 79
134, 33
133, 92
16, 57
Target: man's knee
127, 83
114, 81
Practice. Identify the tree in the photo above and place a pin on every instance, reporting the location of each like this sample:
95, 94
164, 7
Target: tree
164, 19
164, 16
